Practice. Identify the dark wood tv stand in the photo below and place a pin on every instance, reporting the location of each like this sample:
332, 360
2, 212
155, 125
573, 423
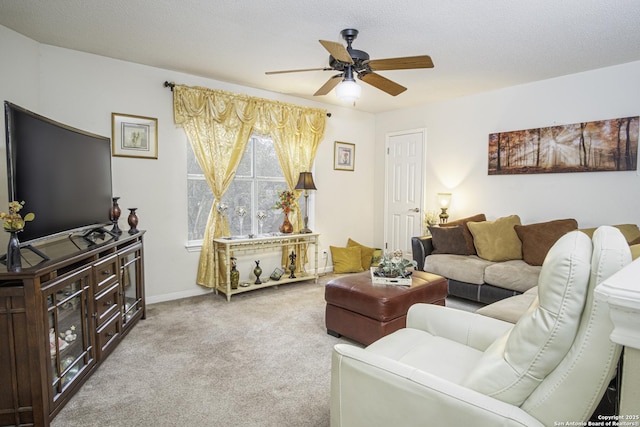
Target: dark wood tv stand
60, 318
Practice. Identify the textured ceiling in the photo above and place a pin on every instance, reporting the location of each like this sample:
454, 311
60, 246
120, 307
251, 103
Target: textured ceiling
475, 45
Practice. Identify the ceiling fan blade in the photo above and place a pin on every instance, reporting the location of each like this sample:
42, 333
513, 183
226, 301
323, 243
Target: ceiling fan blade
383, 83
406, 63
329, 85
337, 50
298, 71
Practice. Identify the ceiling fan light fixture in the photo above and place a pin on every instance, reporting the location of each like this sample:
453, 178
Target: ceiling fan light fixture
348, 91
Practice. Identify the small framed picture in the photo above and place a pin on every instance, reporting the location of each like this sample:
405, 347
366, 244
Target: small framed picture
344, 156
134, 136
277, 274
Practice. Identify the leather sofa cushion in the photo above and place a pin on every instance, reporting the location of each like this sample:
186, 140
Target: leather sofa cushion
497, 240
463, 268
515, 364
538, 238
515, 275
423, 351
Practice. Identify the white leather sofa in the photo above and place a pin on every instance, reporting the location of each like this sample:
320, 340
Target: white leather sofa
451, 367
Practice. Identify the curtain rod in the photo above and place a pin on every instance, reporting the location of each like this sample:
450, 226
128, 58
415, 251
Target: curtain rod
171, 85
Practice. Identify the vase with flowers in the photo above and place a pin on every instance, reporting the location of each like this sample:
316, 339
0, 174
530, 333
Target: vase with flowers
14, 223
285, 202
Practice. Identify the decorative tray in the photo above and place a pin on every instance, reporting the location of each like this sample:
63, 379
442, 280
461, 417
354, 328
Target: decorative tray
395, 281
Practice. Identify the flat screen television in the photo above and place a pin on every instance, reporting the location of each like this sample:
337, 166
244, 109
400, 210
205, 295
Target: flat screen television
62, 174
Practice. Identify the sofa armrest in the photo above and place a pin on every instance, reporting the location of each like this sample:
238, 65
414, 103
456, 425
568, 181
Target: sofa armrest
471, 329
368, 389
421, 246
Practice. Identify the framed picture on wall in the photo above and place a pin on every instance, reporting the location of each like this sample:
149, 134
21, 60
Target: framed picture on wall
344, 156
134, 136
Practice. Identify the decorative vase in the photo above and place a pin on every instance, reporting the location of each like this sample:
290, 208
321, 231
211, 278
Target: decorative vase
14, 258
292, 265
234, 274
257, 271
114, 215
286, 226
133, 221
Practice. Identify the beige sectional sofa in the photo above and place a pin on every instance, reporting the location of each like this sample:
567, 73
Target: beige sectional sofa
488, 261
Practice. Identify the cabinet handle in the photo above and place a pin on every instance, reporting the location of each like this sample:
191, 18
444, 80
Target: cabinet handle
108, 303
106, 272
110, 334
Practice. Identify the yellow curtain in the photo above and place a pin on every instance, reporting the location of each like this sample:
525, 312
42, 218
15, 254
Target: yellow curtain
219, 124
296, 134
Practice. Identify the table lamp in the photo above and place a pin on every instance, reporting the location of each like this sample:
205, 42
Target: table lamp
444, 200
305, 182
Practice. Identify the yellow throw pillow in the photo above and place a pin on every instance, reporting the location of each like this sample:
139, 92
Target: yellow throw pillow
630, 232
635, 251
377, 257
366, 253
346, 260
497, 240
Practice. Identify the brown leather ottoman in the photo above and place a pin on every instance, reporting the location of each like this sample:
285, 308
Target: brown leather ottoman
364, 312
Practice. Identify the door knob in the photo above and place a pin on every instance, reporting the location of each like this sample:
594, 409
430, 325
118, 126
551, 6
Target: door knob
414, 210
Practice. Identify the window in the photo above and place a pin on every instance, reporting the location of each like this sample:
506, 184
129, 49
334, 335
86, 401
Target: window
255, 187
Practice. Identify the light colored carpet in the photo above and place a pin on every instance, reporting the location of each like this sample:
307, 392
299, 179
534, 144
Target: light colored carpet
263, 359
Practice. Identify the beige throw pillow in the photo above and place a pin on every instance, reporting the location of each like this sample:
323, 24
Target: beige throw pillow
497, 240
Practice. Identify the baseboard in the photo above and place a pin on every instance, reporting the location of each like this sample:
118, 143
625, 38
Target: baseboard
178, 295
204, 291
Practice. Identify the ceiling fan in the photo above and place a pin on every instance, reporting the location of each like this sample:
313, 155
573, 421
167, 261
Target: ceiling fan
350, 62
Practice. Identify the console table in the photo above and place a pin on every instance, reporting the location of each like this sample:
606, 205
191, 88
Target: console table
225, 248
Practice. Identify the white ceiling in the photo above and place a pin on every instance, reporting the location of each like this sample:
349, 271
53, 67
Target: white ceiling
475, 45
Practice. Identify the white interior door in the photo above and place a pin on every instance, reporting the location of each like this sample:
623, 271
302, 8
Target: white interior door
404, 189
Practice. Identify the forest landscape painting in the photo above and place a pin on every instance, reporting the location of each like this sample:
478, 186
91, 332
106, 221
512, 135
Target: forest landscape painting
605, 145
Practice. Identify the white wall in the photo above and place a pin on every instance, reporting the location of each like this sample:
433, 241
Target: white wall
18, 84
457, 145
82, 90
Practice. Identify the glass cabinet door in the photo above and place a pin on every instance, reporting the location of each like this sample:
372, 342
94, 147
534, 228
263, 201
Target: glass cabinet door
70, 337
132, 284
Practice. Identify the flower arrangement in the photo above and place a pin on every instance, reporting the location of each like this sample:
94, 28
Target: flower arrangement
13, 221
431, 218
393, 265
285, 202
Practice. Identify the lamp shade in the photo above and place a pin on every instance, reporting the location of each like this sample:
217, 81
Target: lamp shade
305, 182
444, 199
348, 91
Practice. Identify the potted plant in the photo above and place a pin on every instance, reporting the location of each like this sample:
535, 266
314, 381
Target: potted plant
286, 203
14, 223
394, 265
